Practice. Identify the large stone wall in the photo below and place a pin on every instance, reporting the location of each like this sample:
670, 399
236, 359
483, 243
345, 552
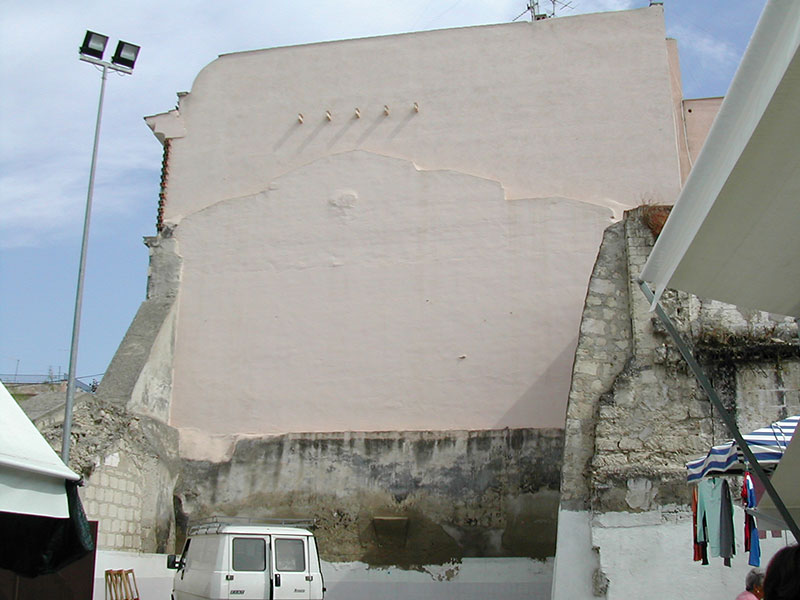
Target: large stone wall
636, 415
459, 494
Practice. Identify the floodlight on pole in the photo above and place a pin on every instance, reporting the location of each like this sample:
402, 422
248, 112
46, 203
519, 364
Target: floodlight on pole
91, 51
125, 54
94, 44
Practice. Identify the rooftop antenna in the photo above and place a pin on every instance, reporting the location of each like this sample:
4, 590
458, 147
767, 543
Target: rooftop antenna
533, 8
560, 5
538, 15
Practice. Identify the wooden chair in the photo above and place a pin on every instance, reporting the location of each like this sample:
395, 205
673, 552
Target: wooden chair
121, 585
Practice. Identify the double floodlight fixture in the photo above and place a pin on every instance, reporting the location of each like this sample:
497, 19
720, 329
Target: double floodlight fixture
94, 46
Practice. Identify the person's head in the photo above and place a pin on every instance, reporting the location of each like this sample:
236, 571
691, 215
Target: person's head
754, 582
782, 581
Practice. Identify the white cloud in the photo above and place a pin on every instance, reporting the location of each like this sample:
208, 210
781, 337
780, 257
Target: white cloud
712, 51
45, 145
49, 98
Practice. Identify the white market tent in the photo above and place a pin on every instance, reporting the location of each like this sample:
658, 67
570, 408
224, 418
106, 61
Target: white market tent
734, 233
785, 481
32, 476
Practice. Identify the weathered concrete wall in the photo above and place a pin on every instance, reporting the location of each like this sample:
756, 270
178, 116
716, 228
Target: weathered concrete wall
464, 494
140, 374
636, 415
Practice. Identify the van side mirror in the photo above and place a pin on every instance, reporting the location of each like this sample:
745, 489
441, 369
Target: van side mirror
173, 562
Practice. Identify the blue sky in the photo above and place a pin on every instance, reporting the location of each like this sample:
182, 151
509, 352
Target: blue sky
48, 103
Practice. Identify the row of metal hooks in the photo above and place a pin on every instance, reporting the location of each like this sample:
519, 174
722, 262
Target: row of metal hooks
357, 112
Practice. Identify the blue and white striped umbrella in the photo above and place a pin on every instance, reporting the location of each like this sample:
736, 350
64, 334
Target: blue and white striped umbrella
767, 444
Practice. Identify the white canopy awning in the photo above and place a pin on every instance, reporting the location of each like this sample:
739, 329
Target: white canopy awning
31, 473
734, 233
785, 481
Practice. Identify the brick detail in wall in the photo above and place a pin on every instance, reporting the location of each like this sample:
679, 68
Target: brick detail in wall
162, 193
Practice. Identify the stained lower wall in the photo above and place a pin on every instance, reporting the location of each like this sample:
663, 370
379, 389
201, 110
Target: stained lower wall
461, 494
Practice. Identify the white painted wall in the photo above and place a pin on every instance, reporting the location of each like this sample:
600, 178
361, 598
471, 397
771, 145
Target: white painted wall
578, 107
359, 293
153, 578
575, 561
647, 555
471, 579
340, 291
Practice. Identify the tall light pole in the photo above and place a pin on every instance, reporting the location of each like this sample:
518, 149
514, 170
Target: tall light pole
92, 50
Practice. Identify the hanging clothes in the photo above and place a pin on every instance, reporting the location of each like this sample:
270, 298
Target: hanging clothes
714, 520
709, 504
700, 549
727, 544
751, 534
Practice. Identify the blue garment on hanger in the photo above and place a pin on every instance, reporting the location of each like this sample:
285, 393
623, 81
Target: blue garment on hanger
750, 522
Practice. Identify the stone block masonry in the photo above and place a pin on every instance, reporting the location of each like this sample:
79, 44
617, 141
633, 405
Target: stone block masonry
636, 415
113, 496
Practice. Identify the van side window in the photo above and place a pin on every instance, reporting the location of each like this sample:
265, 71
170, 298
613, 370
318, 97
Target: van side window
290, 555
249, 554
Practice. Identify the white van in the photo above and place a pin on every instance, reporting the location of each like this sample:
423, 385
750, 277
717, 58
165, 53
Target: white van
224, 560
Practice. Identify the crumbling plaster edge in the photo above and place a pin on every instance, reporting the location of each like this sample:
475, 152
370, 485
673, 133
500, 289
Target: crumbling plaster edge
199, 445
610, 208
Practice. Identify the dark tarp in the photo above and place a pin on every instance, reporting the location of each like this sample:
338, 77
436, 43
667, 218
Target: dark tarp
33, 545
